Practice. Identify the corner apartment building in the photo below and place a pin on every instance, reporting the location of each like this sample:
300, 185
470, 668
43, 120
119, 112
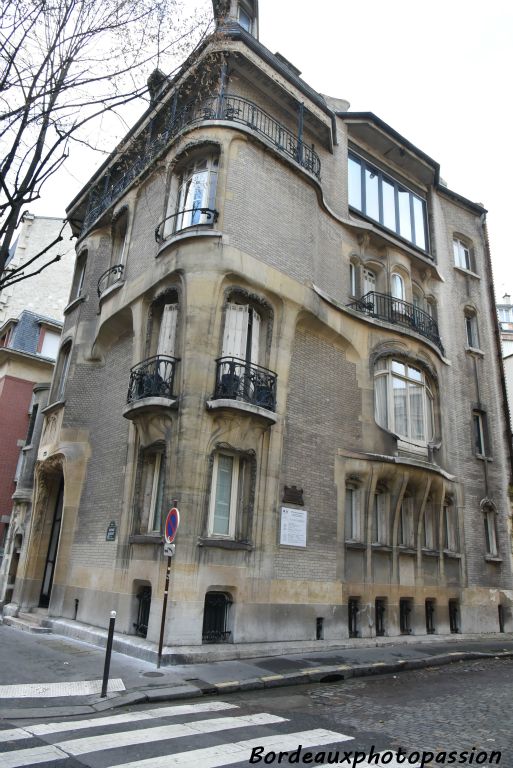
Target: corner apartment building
282, 319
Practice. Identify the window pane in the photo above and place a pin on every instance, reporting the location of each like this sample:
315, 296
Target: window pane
400, 407
244, 20
389, 205
159, 494
414, 373
223, 495
397, 287
478, 433
369, 281
381, 405
416, 412
371, 194
420, 219
404, 215
355, 184
398, 367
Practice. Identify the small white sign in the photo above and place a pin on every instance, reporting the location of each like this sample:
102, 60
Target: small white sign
293, 527
169, 549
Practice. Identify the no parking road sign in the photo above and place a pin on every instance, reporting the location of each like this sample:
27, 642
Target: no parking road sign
172, 523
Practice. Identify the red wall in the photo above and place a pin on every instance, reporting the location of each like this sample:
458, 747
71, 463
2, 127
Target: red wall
15, 397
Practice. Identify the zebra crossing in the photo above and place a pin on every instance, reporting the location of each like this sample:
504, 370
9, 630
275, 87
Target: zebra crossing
209, 734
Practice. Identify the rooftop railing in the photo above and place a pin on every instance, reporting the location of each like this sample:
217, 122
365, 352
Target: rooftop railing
382, 306
226, 107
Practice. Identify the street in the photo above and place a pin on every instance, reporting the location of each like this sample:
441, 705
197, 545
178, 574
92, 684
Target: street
464, 709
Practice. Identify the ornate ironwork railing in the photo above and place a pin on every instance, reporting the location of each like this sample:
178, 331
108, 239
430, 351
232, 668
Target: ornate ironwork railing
382, 306
238, 379
109, 277
200, 217
221, 107
216, 636
154, 377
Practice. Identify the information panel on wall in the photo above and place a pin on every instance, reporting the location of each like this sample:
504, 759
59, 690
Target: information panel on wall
293, 527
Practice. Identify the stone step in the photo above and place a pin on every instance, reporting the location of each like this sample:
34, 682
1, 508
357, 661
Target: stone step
26, 625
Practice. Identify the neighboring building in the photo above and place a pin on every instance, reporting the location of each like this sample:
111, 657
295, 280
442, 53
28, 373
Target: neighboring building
505, 314
47, 292
28, 349
301, 314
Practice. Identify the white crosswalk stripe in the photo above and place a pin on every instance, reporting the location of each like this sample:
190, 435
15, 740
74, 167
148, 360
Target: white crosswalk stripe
240, 751
42, 729
144, 737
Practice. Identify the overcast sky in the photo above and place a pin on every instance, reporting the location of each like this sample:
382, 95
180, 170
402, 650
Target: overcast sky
439, 73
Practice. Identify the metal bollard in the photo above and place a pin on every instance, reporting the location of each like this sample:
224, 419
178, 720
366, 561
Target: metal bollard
108, 653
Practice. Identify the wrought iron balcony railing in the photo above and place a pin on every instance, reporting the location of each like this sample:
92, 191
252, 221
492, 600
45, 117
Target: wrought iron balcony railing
382, 306
198, 217
109, 277
221, 107
154, 377
238, 379
217, 636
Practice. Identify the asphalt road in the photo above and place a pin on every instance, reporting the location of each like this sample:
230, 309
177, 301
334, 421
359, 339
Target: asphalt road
463, 708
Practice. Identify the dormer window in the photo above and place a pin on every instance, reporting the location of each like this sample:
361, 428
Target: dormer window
245, 17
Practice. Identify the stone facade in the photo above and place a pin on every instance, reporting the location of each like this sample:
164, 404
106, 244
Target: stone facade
350, 386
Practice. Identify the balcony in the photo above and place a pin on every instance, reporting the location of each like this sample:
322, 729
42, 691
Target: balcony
154, 377
115, 181
382, 306
244, 386
186, 219
109, 277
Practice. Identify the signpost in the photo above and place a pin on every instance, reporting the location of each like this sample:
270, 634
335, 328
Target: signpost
170, 530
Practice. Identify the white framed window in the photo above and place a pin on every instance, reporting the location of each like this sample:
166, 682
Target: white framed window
369, 281
479, 433
61, 371
151, 500
403, 400
471, 329
224, 495
49, 343
406, 523
462, 255
353, 513
380, 523
352, 278
451, 538
241, 338
397, 286
196, 193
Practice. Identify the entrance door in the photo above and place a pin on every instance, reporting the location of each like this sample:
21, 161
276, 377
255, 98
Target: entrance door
51, 557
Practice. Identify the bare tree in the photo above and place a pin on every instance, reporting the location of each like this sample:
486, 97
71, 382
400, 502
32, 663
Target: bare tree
64, 66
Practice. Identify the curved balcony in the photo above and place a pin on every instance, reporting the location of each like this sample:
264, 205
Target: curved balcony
109, 277
238, 379
190, 217
221, 107
382, 306
154, 377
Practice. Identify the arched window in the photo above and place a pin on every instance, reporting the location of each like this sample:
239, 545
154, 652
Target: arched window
489, 518
78, 279
471, 331
369, 281
61, 371
397, 286
403, 400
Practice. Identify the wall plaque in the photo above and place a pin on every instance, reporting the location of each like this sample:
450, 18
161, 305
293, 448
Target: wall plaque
111, 531
293, 527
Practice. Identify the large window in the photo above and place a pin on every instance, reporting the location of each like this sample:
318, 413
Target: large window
386, 201
151, 490
353, 513
403, 400
196, 193
230, 496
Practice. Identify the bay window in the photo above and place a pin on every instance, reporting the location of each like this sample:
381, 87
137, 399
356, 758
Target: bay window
403, 400
387, 201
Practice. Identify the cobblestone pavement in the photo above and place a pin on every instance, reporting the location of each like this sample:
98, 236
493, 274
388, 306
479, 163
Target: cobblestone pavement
468, 704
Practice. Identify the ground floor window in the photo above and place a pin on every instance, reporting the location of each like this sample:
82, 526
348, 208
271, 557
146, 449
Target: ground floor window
215, 618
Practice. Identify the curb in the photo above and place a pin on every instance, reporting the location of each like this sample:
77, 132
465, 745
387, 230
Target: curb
324, 674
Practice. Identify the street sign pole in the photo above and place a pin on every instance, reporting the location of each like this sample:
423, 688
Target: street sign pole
170, 529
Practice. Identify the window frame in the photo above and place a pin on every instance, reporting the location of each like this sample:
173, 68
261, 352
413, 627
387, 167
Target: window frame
234, 496
185, 185
428, 400
471, 329
381, 518
152, 478
399, 188
61, 371
462, 253
353, 513
480, 438
406, 537
450, 528
490, 525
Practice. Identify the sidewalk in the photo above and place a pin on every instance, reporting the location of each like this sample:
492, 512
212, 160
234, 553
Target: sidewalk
26, 659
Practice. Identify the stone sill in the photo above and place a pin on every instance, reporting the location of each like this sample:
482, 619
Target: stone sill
455, 555
406, 550
467, 272
355, 545
430, 553
71, 306
54, 407
185, 234
240, 405
381, 547
225, 544
474, 351
493, 559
